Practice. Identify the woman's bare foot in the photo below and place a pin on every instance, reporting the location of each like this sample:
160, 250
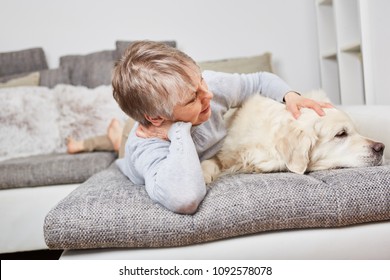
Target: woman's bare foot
114, 133
73, 146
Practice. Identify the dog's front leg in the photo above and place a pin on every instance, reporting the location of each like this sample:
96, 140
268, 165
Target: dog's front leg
211, 169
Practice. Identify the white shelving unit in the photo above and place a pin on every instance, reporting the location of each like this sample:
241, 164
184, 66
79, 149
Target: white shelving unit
354, 45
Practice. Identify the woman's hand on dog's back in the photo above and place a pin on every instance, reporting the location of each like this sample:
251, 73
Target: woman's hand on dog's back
294, 102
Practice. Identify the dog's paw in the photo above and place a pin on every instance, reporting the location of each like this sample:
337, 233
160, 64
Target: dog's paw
210, 170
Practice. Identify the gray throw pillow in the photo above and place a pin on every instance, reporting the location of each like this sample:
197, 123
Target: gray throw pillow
24, 61
121, 46
89, 70
52, 77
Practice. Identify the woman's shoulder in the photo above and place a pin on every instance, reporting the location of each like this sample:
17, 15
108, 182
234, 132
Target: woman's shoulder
210, 75
135, 143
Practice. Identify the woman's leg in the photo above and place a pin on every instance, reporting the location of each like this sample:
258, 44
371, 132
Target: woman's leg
98, 143
114, 140
124, 135
114, 133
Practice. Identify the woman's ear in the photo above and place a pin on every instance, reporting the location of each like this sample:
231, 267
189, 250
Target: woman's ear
155, 121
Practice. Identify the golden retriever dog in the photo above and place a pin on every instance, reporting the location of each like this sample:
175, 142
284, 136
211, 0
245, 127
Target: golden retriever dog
264, 137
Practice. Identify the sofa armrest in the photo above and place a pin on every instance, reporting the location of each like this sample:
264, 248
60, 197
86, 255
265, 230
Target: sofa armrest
372, 121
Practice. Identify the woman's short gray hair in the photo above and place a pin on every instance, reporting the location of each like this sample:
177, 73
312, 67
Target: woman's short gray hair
150, 79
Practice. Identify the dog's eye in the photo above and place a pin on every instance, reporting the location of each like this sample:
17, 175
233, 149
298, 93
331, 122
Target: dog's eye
341, 134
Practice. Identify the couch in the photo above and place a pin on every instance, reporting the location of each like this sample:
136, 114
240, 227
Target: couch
71, 202
41, 107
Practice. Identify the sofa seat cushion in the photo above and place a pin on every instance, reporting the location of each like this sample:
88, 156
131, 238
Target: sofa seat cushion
52, 169
109, 211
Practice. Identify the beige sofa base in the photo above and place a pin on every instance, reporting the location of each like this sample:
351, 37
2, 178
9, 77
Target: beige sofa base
23, 211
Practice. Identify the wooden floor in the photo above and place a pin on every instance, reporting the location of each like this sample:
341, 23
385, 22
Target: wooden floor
33, 255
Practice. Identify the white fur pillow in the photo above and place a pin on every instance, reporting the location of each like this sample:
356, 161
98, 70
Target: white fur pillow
28, 117
37, 120
85, 112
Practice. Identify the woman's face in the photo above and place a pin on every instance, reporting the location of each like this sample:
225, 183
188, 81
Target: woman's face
196, 107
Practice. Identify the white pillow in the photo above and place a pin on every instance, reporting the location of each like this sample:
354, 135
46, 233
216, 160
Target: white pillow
31, 79
28, 117
37, 120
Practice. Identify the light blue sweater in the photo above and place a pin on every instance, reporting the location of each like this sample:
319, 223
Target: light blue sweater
170, 170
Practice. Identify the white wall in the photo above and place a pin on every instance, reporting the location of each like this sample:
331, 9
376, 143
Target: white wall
205, 29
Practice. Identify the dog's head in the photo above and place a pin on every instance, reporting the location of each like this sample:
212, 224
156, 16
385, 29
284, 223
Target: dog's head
331, 141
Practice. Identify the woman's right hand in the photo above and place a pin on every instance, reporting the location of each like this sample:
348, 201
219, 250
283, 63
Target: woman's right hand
152, 131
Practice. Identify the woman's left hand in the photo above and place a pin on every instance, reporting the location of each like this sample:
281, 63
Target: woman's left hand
294, 102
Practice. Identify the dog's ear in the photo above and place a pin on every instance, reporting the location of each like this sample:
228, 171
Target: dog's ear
294, 148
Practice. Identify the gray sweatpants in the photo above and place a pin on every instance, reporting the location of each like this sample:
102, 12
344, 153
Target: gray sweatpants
103, 143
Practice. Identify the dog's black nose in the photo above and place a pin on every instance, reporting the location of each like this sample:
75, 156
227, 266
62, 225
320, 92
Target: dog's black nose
378, 147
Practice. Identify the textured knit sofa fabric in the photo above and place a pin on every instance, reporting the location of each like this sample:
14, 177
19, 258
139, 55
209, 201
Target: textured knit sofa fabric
109, 211
52, 169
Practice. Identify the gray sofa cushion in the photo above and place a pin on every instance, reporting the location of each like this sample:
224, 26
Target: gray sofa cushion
109, 211
121, 46
90, 70
52, 169
24, 61
52, 77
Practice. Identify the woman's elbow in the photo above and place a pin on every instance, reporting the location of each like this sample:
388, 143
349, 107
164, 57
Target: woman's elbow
187, 205
186, 208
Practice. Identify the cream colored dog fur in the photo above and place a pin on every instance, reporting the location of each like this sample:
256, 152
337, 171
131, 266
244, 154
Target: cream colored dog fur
264, 137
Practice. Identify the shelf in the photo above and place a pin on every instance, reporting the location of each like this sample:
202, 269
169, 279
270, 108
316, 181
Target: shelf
354, 48
327, 30
330, 55
347, 23
325, 2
